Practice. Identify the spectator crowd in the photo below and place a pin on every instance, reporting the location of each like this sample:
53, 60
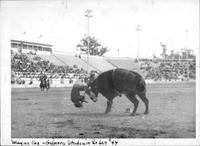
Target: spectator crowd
24, 67
154, 69
169, 69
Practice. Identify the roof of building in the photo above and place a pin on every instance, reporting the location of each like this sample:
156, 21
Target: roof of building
32, 43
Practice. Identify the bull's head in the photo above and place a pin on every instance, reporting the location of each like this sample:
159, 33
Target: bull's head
79, 103
92, 92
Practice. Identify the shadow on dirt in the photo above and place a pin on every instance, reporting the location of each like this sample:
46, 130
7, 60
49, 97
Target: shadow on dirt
62, 124
93, 114
128, 132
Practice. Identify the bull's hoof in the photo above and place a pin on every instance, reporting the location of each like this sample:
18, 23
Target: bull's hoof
133, 114
106, 113
146, 113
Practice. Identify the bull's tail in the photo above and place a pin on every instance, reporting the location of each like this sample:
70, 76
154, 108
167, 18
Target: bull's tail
141, 86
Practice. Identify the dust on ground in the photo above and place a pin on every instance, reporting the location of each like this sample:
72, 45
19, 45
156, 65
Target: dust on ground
52, 115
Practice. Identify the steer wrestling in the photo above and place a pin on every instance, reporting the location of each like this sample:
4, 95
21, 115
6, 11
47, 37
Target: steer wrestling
118, 81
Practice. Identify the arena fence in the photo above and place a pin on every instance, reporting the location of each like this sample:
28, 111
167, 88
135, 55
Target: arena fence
53, 83
56, 83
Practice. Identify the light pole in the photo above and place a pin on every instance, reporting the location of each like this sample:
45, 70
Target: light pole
88, 15
187, 51
138, 29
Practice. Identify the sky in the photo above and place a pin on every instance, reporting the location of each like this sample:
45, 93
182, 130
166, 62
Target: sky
62, 23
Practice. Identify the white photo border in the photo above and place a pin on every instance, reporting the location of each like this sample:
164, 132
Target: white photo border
5, 68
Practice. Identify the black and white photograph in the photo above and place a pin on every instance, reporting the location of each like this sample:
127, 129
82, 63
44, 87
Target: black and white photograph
99, 72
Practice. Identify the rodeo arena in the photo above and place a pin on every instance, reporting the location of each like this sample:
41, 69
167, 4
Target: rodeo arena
88, 93
56, 95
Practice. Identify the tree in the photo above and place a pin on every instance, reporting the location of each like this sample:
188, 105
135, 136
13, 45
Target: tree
172, 55
95, 48
177, 56
164, 54
190, 53
102, 51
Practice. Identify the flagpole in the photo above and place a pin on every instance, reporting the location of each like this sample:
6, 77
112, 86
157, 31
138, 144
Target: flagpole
88, 15
138, 29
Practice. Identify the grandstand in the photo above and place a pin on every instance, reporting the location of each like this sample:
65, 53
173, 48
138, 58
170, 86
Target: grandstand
28, 65
72, 60
99, 63
52, 59
123, 62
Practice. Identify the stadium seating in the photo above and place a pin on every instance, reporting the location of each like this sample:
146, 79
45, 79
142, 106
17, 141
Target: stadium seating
168, 70
99, 63
123, 62
67, 66
72, 60
52, 59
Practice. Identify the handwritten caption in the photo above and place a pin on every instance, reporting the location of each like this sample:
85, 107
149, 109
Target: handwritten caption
72, 142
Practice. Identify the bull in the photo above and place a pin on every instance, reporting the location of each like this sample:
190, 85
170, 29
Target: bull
113, 83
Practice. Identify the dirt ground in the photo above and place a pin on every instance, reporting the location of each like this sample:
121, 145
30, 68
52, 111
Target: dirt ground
52, 114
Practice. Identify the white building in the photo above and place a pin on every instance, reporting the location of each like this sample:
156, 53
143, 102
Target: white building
30, 47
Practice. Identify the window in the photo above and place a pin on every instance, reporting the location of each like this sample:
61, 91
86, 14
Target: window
49, 49
19, 45
44, 49
24, 46
13, 45
30, 47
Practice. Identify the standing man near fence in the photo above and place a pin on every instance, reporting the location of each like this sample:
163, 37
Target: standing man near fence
43, 80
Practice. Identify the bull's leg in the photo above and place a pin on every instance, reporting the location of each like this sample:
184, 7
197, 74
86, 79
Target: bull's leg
109, 105
146, 102
135, 101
